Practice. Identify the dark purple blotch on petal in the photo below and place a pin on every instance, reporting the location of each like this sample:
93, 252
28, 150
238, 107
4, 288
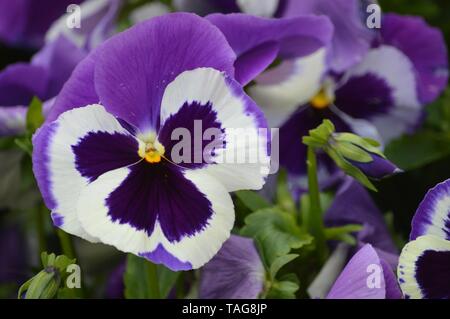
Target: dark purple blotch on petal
160, 192
196, 118
364, 96
101, 152
433, 274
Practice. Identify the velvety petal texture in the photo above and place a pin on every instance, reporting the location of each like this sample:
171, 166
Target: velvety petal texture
236, 272
364, 278
130, 186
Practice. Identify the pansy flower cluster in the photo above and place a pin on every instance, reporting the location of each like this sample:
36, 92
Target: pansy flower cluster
222, 149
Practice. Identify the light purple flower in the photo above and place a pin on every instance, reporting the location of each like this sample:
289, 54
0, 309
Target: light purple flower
104, 161
25, 22
366, 276
424, 265
236, 272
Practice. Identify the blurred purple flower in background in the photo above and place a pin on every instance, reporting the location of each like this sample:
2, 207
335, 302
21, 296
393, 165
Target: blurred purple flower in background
236, 272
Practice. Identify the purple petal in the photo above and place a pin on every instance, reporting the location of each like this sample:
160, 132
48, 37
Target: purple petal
351, 38
392, 288
296, 37
13, 267
12, 120
433, 214
115, 286
134, 67
353, 205
236, 272
424, 46
355, 281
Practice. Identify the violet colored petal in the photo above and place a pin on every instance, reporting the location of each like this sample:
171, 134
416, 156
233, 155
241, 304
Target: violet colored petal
362, 278
392, 288
20, 82
424, 46
24, 22
13, 268
78, 91
58, 58
351, 38
424, 268
236, 272
353, 205
296, 37
135, 66
377, 169
433, 214
12, 120
115, 286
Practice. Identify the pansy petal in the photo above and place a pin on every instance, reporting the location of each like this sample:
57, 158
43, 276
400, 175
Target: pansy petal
74, 150
174, 217
424, 268
219, 102
355, 281
424, 46
78, 91
135, 66
58, 58
433, 214
262, 8
353, 205
395, 68
279, 91
296, 37
236, 272
392, 288
351, 39
20, 82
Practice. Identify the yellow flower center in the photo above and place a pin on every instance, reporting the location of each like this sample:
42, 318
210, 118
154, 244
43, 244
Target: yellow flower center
151, 150
325, 97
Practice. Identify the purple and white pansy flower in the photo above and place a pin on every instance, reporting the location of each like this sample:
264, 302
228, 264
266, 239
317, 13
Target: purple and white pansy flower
424, 265
108, 160
381, 97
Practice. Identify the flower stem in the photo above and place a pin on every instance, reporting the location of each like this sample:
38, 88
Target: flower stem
314, 220
66, 244
40, 228
153, 278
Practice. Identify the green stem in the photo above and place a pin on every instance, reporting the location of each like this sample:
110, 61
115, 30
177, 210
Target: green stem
40, 227
314, 220
66, 244
154, 283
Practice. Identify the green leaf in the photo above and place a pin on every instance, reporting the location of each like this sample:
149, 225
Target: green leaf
35, 118
368, 144
252, 200
138, 279
279, 263
332, 233
283, 290
24, 143
415, 151
167, 279
276, 232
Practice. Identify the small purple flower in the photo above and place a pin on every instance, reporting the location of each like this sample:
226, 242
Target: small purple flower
236, 272
105, 159
25, 22
366, 276
424, 265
